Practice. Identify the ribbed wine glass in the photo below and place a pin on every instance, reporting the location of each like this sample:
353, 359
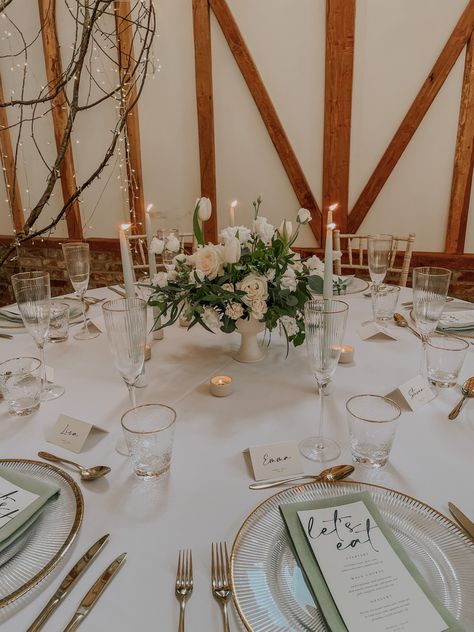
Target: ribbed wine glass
33, 296
430, 288
125, 322
325, 324
76, 255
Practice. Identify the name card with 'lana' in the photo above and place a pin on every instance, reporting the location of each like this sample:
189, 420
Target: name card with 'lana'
70, 433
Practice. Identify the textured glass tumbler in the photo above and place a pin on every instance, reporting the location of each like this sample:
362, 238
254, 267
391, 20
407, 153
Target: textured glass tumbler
444, 358
20, 381
372, 422
384, 303
58, 322
149, 433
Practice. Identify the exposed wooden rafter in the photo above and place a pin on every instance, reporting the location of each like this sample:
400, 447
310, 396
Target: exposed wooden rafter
52, 60
9, 172
425, 97
136, 194
267, 111
463, 160
340, 27
205, 110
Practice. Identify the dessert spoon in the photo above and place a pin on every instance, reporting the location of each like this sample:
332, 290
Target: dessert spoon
87, 473
334, 473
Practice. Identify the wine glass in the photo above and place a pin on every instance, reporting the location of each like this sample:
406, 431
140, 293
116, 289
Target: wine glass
430, 288
76, 255
33, 296
325, 324
379, 253
125, 322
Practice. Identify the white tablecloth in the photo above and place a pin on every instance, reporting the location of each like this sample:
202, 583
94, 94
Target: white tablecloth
206, 496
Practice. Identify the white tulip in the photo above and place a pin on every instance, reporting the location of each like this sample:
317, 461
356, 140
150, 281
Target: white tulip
286, 229
205, 209
232, 250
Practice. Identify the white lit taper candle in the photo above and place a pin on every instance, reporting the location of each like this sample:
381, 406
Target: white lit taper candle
149, 237
126, 262
328, 255
232, 212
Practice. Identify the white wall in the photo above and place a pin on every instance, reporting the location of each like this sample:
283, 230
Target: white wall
397, 43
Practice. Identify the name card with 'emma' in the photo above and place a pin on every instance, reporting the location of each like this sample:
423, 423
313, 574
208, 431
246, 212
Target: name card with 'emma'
70, 433
276, 459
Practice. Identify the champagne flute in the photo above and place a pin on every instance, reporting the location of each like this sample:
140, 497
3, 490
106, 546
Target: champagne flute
76, 255
33, 296
325, 324
430, 288
379, 253
125, 322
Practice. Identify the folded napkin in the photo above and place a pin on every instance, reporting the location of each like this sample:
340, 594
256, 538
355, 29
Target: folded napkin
313, 575
26, 510
457, 321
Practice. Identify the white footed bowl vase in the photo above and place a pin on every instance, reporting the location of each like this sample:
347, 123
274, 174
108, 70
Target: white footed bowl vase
250, 349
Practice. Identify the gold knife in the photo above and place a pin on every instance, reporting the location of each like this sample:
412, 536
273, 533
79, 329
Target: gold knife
463, 520
67, 584
94, 593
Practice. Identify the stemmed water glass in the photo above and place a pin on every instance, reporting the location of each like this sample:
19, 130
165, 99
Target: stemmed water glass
125, 322
76, 255
379, 253
430, 288
33, 296
325, 324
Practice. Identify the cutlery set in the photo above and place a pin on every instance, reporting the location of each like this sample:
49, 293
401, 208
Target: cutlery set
68, 583
220, 581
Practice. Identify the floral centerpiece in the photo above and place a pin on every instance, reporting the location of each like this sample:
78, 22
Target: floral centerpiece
251, 275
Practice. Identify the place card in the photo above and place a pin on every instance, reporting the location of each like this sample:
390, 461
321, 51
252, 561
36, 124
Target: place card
275, 459
93, 327
371, 329
13, 500
415, 393
371, 581
71, 433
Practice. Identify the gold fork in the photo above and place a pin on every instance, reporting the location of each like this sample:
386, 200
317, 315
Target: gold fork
221, 585
184, 583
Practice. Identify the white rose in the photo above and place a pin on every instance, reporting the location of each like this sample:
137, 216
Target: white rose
205, 209
211, 318
258, 308
160, 279
234, 310
286, 229
255, 287
304, 216
289, 324
288, 280
228, 287
172, 244
209, 260
315, 263
263, 229
242, 232
156, 246
232, 250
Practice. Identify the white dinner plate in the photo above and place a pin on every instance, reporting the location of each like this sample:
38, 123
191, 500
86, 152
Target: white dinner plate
75, 311
268, 586
46, 542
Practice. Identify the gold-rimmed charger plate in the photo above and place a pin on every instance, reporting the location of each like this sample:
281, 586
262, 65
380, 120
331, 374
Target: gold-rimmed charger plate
269, 590
48, 539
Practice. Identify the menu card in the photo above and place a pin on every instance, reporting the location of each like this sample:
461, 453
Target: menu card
360, 576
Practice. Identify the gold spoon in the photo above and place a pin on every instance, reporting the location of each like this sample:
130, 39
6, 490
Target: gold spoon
334, 473
87, 473
401, 321
467, 391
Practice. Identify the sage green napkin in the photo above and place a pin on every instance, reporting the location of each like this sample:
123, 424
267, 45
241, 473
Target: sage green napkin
312, 573
46, 492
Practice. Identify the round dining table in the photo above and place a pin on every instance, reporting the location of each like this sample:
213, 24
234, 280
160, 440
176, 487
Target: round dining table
206, 496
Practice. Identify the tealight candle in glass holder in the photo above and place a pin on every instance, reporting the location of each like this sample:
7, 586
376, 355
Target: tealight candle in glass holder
221, 385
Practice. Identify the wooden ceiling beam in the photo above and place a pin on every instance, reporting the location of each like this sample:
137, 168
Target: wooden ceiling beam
425, 97
267, 111
463, 160
340, 28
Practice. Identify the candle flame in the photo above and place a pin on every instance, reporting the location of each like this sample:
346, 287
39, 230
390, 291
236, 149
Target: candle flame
334, 206
234, 204
125, 226
149, 207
